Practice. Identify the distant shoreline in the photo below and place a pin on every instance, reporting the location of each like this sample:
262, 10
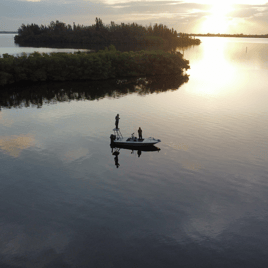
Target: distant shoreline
230, 35
8, 32
202, 35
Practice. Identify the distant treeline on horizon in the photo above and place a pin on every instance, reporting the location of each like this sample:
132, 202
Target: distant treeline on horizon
99, 33
8, 32
232, 35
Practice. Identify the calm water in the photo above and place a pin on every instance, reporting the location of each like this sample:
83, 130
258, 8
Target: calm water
201, 201
8, 46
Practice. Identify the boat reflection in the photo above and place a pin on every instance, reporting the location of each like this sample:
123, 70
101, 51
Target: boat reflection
135, 150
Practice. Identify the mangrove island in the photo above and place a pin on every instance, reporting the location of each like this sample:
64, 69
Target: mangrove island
105, 64
59, 33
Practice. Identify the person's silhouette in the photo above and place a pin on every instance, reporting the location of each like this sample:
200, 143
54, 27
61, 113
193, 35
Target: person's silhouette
116, 161
140, 133
116, 153
117, 121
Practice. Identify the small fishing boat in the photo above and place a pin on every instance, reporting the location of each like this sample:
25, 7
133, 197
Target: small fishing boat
118, 140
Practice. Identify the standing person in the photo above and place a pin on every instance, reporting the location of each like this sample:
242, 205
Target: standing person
140, 133
117, 121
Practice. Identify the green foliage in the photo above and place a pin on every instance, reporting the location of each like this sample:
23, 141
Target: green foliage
105, 64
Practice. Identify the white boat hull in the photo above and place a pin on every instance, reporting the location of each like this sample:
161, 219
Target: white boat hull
136, 142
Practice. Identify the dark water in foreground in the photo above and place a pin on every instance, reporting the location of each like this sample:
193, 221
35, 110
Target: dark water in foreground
201, 201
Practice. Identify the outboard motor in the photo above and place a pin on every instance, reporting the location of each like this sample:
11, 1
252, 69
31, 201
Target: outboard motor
112, 138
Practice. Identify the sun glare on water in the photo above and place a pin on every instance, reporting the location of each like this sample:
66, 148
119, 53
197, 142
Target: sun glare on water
217, 21
216, 66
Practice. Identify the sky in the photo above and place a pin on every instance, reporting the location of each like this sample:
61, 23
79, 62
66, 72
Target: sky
189, 16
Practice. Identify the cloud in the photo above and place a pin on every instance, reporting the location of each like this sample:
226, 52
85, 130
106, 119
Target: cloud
5, 122
13, 145
245, 11
31, 0
44, 244
244, 2
76, 154
184, 16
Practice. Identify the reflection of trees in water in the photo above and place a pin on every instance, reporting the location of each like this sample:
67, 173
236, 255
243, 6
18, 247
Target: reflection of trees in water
37, 95
120, 47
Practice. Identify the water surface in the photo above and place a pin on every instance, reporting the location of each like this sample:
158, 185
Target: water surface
8, 46
201, 201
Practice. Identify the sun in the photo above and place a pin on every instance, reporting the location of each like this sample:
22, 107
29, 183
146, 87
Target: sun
220, 9
217, 20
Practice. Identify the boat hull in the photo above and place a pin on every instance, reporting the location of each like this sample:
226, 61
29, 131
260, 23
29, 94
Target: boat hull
135, 142
149, 148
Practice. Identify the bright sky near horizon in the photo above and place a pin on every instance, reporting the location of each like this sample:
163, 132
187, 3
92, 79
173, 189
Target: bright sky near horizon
189, 16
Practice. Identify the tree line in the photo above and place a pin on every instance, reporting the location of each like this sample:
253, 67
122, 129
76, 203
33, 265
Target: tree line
105, 64
99, 33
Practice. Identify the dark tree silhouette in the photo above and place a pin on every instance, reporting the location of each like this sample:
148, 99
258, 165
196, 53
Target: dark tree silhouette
99, 33
105, 64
